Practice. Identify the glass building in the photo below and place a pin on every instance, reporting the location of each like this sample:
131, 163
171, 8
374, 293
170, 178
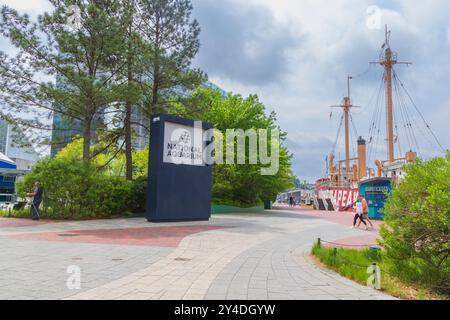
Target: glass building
62, 133
65, 130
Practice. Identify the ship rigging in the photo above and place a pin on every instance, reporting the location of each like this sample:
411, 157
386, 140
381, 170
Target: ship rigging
395, 113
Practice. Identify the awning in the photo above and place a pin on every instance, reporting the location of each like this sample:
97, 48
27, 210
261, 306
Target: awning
4, 158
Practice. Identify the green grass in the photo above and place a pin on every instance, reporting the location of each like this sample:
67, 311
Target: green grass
353, 264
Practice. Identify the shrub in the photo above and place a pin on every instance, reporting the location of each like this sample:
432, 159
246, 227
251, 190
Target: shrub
417, 222
139, 194
240, 185
75, 189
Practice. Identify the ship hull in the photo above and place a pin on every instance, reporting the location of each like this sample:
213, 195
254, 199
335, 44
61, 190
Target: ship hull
345, 198
334, 199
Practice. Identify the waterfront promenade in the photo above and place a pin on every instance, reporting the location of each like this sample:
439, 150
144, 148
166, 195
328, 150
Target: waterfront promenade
235, 256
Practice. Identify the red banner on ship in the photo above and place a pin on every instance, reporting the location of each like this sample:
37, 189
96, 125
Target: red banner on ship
345, 198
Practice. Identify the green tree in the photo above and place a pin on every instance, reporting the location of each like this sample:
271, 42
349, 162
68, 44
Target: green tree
107, 163
135, 48
415, 234
83, 61
242, 184
172, 37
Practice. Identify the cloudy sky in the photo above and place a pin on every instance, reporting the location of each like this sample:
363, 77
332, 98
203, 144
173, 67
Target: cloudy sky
296, 54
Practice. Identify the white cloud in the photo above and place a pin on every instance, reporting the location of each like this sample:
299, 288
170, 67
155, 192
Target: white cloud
29, 6
336, 41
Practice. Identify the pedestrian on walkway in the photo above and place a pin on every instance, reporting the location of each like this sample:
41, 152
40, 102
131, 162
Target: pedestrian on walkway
37, 199
365, 208
359, 213
291, 201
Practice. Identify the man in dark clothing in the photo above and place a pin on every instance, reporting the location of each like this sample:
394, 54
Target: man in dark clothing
37, 199
291, 201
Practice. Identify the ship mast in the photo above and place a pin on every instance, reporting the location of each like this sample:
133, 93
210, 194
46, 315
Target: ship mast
388, 61
346, 106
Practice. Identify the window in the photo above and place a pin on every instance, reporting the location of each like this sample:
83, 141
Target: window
9, 179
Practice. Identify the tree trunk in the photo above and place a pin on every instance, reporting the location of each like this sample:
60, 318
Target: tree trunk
87, 141
155, 91
128, 148
156, 69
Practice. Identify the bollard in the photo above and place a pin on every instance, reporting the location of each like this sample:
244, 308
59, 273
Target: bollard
374, 280
374, 272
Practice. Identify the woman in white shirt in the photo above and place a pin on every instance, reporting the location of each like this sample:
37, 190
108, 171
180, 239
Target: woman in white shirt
359, 213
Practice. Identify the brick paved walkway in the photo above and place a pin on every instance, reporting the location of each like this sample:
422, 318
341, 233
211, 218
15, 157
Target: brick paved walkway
363, 240
238, 256
9, 223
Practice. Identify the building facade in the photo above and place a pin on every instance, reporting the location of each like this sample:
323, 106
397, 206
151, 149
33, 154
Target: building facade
15, 146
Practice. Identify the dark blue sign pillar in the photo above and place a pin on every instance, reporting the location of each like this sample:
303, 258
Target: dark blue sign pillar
180, 182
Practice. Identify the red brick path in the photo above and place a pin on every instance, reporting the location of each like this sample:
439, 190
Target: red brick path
14, 223
150, 236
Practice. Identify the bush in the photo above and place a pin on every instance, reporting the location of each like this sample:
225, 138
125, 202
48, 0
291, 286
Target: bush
139, 194
76, 189
240, 185
417, 222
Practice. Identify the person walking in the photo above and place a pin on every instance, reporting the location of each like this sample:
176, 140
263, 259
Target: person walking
359, 213
291, 201
365, 208
37, 199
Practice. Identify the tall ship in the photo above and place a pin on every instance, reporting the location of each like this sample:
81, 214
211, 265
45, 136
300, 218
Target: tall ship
364, 160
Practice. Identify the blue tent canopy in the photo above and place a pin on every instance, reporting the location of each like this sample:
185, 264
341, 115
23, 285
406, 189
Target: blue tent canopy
8, 175
6, 163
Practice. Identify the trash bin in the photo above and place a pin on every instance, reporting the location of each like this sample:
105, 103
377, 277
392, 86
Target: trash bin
374, 252
268, 205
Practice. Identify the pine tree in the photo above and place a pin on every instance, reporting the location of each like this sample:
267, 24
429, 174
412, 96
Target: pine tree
83, 60
161, 40
173, 41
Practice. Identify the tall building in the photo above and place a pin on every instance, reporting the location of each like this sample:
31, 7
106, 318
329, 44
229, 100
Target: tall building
64, 130
213, 86
16, 147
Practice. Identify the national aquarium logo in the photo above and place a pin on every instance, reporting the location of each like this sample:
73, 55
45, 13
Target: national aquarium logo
181, 147
195, 146
185, 137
